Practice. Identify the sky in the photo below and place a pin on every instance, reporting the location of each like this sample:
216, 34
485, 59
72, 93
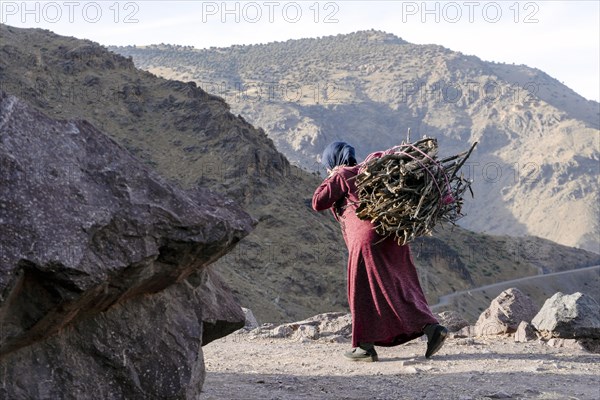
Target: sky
561, 38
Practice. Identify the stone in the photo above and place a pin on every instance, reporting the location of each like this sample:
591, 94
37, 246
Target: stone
452, 320
565, 343
583, 344
409, 370
499, 395
569, 316
282, 331
306, 332
104, 286
505, 313
466, 332
525, 332
250, 320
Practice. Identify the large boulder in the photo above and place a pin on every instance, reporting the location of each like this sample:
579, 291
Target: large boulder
103, 285
505, 313
569, 316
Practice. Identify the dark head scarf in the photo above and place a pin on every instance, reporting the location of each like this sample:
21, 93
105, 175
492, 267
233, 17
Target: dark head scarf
338, 153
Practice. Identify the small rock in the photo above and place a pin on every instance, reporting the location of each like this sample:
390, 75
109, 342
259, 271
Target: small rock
282, 331
525, 332
499, 395
251, 322
566, 343
467, 331
409, 370
307, 332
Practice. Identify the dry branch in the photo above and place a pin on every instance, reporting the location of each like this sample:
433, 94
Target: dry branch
407, 191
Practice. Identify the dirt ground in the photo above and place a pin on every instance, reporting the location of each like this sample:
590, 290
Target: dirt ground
242, 367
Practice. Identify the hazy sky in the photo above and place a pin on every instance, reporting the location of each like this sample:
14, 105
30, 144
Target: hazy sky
561, 37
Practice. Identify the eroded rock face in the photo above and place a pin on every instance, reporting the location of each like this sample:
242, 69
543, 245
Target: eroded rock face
505, 313
87, 233
570, 316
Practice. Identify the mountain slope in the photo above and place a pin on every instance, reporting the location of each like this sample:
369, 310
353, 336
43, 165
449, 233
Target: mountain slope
538, 153
293, 264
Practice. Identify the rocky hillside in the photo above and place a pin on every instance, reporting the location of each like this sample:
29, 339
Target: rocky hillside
538, 153
293, 264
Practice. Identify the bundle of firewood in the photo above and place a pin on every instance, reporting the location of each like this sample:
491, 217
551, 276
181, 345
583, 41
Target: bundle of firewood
407, 191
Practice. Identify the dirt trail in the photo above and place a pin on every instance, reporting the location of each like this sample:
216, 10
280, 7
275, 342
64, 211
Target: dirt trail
240, 367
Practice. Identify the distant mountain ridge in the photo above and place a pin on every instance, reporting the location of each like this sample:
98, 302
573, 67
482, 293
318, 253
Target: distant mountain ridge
535, 170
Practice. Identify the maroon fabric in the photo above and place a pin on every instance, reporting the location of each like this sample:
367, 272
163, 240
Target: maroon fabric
386, 300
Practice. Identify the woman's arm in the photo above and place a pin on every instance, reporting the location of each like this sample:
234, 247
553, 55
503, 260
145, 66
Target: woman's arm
331, 190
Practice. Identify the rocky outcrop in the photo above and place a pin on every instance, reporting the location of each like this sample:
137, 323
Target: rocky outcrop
331, 327
103, 286
505, 313
569, 316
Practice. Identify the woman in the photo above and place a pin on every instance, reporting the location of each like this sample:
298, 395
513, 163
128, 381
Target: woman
386, 300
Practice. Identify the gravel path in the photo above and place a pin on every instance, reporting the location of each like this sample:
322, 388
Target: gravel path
242, 367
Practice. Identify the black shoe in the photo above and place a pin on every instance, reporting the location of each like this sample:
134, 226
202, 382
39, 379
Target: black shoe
436, 334
358, 354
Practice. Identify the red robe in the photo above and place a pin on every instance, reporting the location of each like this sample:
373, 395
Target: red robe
386, 300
